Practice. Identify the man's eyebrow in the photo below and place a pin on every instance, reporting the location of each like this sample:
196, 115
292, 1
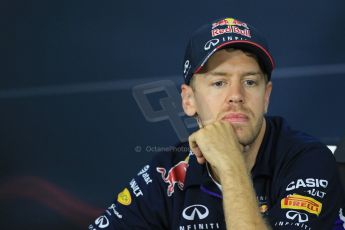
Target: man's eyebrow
217, 73
247, 73
252, 73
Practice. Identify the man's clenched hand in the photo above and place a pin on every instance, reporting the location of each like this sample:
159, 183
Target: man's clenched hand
217, 144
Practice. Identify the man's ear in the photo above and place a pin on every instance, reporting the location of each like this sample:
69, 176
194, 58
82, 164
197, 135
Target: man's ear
188, 100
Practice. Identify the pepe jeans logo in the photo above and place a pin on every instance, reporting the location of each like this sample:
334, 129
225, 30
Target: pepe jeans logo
211, 43
196, 210
301, 217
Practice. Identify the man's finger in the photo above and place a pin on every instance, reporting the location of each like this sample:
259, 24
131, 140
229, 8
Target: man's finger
192, 141
193, 145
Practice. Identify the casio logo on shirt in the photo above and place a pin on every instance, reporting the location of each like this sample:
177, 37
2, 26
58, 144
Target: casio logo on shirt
307, 183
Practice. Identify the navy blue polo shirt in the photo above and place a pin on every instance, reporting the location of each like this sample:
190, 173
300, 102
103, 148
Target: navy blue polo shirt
294, 176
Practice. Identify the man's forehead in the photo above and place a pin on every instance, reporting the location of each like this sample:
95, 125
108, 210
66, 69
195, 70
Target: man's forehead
227, 54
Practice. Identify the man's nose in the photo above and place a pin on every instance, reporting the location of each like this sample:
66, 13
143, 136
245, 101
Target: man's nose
235, 94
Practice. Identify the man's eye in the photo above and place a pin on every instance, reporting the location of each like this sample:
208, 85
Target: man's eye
218, 83
249, 82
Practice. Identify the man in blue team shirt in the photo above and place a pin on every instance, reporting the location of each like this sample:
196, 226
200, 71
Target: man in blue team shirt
244, 170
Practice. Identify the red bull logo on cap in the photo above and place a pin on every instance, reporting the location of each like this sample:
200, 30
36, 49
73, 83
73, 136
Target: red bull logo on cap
176, 175
229, 22
231, 26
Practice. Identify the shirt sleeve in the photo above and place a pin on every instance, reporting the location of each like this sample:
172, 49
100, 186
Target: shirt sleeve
307, 192
138, 206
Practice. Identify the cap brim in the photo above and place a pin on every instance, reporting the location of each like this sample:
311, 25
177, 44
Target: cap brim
253, 47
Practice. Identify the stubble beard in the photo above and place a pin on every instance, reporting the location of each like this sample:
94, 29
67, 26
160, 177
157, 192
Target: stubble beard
248, 135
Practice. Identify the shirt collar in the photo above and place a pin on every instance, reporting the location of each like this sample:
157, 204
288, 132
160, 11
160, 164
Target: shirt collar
196, 173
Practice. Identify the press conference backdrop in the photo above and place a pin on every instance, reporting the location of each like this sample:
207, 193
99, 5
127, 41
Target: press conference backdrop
89, 92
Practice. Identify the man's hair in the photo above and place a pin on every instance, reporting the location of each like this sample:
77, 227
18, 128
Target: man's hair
204, 69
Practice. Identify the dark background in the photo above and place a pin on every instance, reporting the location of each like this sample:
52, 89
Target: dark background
69, 124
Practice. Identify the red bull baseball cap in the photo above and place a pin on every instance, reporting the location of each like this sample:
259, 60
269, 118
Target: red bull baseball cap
225, 32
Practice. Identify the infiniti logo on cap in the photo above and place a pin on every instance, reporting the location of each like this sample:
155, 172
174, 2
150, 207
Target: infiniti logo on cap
199, 210
211, 43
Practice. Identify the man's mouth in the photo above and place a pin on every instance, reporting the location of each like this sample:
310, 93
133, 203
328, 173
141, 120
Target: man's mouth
235, 118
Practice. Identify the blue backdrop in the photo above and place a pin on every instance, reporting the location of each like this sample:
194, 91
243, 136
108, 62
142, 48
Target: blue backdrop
72, 132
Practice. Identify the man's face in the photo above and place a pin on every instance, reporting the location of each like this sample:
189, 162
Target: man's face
232, 89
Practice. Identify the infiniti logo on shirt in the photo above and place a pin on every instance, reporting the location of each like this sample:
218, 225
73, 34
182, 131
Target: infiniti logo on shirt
102, 222
192, 211
293, 215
